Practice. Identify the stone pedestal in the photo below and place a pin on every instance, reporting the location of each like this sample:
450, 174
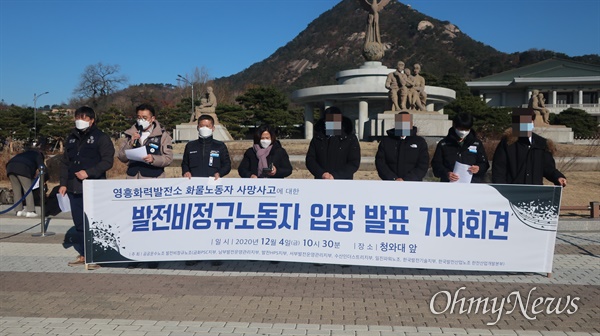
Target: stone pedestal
556, 133
189, 132
429, 124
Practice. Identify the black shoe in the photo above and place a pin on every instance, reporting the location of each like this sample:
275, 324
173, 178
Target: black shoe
133, 265
274, 262
153, 265
216, 263
191, 262
318, 265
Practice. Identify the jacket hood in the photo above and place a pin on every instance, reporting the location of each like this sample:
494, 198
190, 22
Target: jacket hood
538, 141
347, 127
391, 132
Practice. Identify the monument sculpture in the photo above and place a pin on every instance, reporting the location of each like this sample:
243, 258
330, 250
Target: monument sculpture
395, 82
208, 105
419, 87
406, 91
536, 102
373, 49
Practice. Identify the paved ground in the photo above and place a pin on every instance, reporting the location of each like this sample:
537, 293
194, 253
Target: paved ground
40, 294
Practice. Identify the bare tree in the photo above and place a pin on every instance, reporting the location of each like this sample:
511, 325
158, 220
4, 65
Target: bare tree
98, 81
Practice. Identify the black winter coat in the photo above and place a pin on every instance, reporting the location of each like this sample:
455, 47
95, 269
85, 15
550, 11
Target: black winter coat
406, 158
92, 151
205, 158
277, 156
338, 155
516, 161
470, 152
25, 164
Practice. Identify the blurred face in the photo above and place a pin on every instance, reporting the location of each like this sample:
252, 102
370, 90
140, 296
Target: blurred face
417, 69
333, 124
522, 126
400, 66
402, 124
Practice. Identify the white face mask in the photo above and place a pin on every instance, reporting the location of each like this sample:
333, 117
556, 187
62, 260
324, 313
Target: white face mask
264, 143
81, 124
204, 132
143, 123
462, 134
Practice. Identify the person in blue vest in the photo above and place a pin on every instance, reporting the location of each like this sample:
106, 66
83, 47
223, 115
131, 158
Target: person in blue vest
89, 154
205, 157
148, 133
21, 170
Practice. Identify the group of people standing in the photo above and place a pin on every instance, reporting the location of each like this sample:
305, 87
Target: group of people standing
522, 157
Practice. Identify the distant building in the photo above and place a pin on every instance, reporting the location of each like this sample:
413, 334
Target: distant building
563, 83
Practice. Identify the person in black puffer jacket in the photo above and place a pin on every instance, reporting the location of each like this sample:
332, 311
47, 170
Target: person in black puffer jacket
89, 154
402, 157
460, 145
266, 158
334, 151
523, 157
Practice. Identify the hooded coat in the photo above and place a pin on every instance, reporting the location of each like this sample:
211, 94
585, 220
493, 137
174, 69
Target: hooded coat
406, 158
338, 155
450, 150
519, 161
277, 157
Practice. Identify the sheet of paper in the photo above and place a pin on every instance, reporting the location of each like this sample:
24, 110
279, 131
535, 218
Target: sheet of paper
462, 170
136, 154
37, 184
64, 203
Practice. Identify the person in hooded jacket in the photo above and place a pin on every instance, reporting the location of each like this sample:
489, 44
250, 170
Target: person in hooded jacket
334, 151
402, 155
460, 145
89, 154
523, 157
149, 133
266, 158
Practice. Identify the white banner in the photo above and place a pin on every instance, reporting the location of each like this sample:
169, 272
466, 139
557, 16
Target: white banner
377, 223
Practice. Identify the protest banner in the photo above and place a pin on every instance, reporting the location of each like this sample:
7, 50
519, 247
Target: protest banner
378, 223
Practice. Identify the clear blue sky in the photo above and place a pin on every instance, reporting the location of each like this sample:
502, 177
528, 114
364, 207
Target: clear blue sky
46, 44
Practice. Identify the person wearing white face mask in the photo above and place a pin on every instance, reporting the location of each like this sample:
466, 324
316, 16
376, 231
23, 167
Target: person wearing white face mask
205, 157
266, 158
149, 133
460, 145
89, 154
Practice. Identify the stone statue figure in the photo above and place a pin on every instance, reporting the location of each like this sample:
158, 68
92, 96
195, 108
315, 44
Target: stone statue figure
536, 102
208, 105
373, 48
396, 83
419, 87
